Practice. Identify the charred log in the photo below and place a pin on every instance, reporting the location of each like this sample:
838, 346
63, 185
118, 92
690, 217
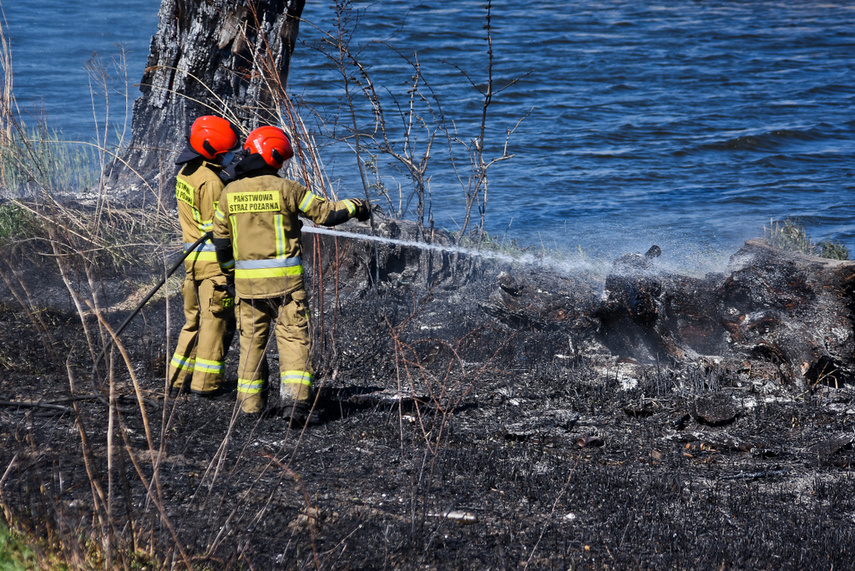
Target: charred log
789, 309
796, 307
780, 309
534, 300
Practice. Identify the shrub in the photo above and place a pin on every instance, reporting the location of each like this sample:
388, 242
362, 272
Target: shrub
790, 235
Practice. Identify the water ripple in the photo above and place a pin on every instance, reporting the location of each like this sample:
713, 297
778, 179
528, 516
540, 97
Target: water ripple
691, 123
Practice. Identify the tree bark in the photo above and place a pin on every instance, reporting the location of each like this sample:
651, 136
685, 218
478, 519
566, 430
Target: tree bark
224, 57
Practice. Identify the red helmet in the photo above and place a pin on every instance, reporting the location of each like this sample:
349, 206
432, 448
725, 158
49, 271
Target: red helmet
211, 136
271, 143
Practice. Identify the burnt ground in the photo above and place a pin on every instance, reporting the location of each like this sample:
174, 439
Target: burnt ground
449, 439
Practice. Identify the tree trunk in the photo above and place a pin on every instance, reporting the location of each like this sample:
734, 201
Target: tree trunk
224, 57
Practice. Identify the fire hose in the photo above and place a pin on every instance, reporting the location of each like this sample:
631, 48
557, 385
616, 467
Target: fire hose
133, 314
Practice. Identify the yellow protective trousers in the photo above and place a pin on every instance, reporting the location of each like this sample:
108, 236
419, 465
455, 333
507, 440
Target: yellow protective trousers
290, 319
204, 340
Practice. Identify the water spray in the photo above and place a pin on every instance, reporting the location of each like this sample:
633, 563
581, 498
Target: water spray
599, 267
565, 267
411, 244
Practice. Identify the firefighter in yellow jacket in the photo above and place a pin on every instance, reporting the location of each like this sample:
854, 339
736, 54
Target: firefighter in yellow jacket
208, 304
257, 232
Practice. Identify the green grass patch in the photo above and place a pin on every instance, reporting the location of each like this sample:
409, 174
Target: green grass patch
16, 553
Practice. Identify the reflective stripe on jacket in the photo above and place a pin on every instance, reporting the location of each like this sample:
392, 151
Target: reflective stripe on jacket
197, 190
259, 215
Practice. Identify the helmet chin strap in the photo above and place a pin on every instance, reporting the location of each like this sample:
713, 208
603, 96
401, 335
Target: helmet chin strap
227, 158
209, 148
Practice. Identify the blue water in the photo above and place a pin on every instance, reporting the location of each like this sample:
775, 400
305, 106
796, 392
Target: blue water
76, 64
686, 124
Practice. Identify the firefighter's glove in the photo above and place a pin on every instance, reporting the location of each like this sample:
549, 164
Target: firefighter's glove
363, 209
209, 236
230, 286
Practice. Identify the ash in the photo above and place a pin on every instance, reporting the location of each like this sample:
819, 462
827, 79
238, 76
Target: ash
472, 416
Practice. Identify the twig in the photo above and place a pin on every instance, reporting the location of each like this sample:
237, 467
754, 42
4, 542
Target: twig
34, 404
754, 475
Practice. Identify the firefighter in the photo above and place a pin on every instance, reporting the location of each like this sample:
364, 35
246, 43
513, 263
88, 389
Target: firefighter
257, 232
208, 303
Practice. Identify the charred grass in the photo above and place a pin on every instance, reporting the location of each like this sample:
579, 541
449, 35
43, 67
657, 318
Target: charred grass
446, 441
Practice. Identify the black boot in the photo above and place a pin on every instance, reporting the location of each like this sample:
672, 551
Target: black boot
218, 393
298, 413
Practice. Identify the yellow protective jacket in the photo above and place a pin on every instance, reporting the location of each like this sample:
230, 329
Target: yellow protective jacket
197, 190
257, 216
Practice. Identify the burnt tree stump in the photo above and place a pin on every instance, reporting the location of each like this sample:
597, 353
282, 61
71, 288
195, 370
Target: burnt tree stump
793, 309
227, 57
785, 308
789, 312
